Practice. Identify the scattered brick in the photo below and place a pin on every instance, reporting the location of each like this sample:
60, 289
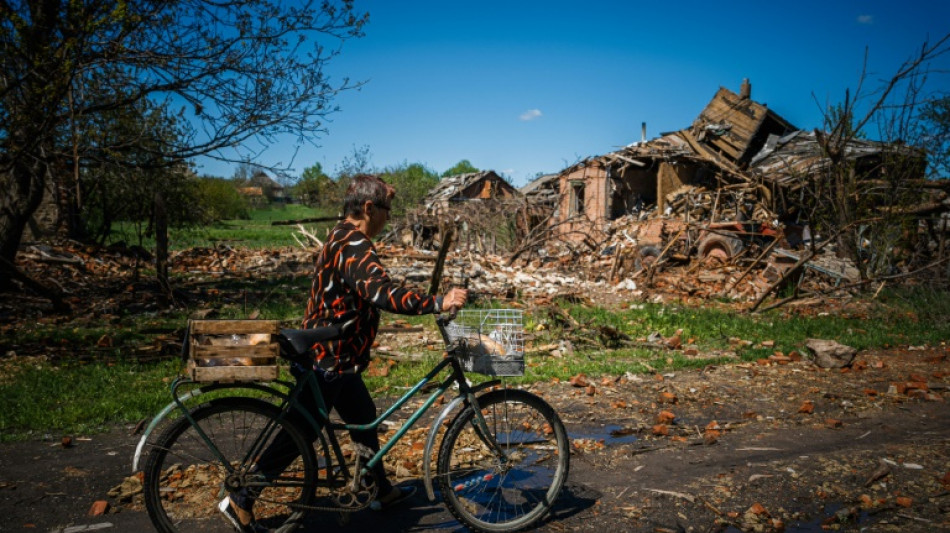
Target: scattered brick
99, 508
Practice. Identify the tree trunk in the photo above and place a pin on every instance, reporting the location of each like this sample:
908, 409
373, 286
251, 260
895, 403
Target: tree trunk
21, 191
161, 245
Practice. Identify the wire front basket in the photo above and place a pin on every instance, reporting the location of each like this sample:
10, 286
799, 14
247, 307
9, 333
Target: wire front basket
489, 341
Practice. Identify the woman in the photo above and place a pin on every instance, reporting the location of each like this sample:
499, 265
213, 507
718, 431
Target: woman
350, 288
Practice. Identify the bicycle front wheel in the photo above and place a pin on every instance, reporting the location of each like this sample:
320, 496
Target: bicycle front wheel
511, 486
185, 479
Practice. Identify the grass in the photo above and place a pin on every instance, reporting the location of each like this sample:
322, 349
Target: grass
256, 232
41, 400
93, 388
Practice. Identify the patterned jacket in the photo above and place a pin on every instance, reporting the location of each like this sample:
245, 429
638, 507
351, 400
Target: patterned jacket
350, 286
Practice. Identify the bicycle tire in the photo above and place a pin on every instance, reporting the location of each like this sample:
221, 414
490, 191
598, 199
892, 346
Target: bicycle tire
486, 495
184, 481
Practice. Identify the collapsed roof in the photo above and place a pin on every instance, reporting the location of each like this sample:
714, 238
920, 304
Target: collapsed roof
474, 185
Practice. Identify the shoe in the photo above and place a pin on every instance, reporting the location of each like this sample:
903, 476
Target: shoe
395, 496
231, 513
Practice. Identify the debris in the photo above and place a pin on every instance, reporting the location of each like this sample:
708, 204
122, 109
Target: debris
831, 354
129, 488
883, 470
91, 527
688, 497
99, 507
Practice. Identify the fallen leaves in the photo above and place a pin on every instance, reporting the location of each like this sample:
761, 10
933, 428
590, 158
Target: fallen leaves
667, 398
580, 381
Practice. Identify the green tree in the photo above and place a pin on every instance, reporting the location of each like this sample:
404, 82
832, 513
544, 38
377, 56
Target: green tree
238, 71
217, 199
412, 183
116, 181
316, 189
462, 167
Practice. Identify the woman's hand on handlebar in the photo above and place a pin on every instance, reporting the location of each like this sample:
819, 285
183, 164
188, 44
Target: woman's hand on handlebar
454, 300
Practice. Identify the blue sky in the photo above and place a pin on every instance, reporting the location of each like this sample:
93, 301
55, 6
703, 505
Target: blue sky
523, 87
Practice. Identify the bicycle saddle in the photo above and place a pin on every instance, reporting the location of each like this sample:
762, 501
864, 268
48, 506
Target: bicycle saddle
301, 340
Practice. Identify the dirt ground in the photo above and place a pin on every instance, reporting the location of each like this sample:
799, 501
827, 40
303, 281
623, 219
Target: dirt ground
747, 447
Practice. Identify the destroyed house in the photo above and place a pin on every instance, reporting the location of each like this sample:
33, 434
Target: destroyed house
790, 160
541, 200
738, 175
454, 190
468, 203
650, 177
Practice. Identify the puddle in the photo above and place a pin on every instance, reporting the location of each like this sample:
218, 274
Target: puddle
610, 434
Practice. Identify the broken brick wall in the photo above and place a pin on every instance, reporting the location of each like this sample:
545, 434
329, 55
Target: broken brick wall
583, 202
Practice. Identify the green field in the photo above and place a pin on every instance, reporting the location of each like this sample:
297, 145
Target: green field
255, 232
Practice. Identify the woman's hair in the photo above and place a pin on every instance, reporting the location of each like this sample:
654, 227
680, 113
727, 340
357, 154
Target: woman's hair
363, 188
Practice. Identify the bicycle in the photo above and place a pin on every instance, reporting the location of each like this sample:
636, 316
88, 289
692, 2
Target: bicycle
501, 463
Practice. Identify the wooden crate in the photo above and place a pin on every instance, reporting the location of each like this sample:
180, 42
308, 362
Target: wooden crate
233, 350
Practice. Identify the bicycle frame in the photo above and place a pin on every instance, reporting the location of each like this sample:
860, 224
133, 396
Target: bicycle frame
467, 394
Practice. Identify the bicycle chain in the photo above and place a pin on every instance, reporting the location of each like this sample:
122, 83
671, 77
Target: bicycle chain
348, 501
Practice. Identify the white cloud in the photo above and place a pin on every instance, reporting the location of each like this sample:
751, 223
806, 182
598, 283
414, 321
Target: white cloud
865, 19
530, 114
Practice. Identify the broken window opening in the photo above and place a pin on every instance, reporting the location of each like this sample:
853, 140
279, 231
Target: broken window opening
577, 198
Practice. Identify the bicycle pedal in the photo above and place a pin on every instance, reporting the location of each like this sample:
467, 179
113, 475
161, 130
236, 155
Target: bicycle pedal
363, 451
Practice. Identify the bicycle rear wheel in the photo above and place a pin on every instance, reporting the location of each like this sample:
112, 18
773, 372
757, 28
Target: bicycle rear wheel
490, 493
184, 480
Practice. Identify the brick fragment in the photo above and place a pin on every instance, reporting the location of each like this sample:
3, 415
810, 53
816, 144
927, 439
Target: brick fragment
99, 508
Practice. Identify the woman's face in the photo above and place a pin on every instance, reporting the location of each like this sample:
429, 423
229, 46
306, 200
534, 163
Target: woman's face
378, 215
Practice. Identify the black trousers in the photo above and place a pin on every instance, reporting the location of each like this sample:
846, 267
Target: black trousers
347, 393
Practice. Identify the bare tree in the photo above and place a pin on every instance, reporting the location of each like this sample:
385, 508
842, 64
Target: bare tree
248, 70
870, 193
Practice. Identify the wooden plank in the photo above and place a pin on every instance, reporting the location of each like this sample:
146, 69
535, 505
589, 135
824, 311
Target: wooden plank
723, 144
236, 350
233, 373
702, 151
234, 327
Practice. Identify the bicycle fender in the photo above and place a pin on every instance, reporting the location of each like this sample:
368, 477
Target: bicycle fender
156, 420
183, 398
430, 442
434, 431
